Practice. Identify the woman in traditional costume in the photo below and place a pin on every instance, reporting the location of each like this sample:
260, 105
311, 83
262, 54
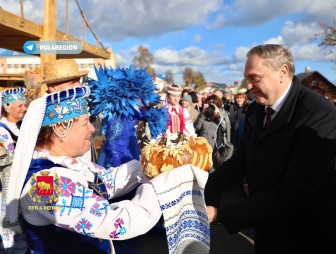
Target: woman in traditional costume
12, 109
180, 120
64, 200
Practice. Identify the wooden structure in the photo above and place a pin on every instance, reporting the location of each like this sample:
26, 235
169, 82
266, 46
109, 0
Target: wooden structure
16, 30
317, 82
9, 80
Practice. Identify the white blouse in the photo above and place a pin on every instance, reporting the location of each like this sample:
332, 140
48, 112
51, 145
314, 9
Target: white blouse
76, 207
5, 137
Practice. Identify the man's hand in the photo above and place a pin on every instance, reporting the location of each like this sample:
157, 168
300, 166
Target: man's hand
212, 213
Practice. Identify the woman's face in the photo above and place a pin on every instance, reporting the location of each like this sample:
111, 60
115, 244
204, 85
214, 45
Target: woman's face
16, 111
240, 99
78, 140
185, 104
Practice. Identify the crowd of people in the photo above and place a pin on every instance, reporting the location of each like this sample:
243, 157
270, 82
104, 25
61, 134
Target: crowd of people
273, 141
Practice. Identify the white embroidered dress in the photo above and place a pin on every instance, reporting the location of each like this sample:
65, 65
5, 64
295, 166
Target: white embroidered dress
79, 209
175, 112
11, 238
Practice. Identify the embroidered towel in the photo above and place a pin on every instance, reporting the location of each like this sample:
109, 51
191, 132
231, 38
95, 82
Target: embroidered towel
181, 197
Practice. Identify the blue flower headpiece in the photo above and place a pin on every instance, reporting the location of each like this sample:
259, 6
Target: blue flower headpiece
66, 105
14, 94
121, 92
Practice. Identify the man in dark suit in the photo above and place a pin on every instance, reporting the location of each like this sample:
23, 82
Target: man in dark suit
289, 165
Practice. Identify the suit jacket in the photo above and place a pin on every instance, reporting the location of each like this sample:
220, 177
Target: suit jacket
290, 170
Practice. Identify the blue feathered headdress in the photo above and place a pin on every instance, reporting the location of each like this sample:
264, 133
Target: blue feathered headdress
121, 92
126, 92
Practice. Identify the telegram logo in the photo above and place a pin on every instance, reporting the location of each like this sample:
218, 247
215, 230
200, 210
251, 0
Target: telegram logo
53, 47
29, 47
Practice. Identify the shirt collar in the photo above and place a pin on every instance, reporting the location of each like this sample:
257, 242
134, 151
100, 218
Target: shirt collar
279, 102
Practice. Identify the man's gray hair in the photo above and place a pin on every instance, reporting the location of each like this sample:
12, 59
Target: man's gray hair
276, 55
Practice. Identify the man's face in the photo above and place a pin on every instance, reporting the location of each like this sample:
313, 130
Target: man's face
265, 83
52, 88
174, 99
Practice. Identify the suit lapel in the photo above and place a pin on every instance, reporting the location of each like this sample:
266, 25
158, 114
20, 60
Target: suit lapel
256, 119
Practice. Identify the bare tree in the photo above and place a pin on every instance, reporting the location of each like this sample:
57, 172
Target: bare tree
199, 80
151, 71
188, 76
170, 76
328, 37
144, 60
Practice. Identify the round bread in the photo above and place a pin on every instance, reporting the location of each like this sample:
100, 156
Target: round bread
158, 157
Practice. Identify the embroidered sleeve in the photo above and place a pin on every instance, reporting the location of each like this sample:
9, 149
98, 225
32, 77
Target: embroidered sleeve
70, 204
121, 180
188, 124
7, 145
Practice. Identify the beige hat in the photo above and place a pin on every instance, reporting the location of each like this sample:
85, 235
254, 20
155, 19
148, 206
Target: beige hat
241, 91
61, 70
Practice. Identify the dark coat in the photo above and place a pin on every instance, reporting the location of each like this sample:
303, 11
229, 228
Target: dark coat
290, 170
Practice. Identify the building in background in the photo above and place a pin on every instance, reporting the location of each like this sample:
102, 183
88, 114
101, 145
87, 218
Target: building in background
317, 82
17, 67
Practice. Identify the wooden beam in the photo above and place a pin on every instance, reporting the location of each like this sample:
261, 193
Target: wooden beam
10, 29
16, 77
14, 42
12, 22
49, 29
89, 51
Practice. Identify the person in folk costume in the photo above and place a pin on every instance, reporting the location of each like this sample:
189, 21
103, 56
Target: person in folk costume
179, 117
75, 216
13, 107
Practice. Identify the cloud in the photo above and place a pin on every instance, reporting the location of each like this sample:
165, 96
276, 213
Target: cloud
209, 63
307, 52
192, 56
274, 40
145, 18
240, 53
297, 33
246, 12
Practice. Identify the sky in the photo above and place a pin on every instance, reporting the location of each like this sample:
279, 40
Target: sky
209, 36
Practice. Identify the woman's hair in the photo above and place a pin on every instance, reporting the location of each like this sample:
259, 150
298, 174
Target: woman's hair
3, 111
44, 138
275, 56
214, 99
